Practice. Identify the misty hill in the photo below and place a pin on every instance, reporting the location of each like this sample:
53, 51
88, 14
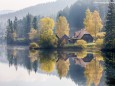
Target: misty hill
46, 9
2, 12
76, 13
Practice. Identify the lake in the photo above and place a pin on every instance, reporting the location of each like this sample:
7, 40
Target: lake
21, 67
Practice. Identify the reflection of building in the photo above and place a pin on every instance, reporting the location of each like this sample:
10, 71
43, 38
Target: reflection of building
82, 60
92, 67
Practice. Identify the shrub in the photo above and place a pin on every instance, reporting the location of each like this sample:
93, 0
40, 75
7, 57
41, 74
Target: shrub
99, 42
34, 45
100, 35
81, 43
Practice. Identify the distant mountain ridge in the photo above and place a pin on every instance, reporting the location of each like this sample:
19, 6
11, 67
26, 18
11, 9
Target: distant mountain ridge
46, 9
2, 12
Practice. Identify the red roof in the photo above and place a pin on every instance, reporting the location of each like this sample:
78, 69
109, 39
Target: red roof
80, 34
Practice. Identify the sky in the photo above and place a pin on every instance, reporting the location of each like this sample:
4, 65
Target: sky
20, 4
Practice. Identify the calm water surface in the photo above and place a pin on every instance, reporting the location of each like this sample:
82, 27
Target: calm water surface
21, 67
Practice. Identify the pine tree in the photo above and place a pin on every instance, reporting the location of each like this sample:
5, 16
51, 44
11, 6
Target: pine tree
15, 25
110, 27
9, 31
35, 23
28, 24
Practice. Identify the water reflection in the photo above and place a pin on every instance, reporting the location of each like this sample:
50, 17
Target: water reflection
110, 68
82, 68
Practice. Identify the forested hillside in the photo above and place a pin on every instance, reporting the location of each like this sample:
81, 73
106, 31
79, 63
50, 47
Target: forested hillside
46, 9
76, 13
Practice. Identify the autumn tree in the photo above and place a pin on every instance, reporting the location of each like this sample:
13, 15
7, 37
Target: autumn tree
97, 22
93, 22
47, 37
62, 27
88, 22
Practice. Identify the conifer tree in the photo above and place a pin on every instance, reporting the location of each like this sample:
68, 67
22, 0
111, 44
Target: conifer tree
15, 25
110, 27
35, 23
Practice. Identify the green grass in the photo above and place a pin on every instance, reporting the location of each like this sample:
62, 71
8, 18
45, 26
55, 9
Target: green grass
70, 45
20, 39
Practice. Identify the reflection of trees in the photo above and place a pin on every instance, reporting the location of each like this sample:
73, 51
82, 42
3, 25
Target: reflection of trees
93, 72
81, 54
62, 64
47, 61
12, 57
98, 56
30, 59
110, 68
33, 55
19, 57
63, 67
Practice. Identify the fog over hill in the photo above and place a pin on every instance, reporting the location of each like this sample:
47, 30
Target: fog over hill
2, 12
46, 9
73, 10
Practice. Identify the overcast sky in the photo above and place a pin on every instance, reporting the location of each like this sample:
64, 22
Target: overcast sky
19, 4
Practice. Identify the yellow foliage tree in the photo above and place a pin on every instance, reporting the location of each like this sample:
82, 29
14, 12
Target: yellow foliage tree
62, 27
97, 22
81, 43
46, 23
88, 22
47, 37
93, 22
